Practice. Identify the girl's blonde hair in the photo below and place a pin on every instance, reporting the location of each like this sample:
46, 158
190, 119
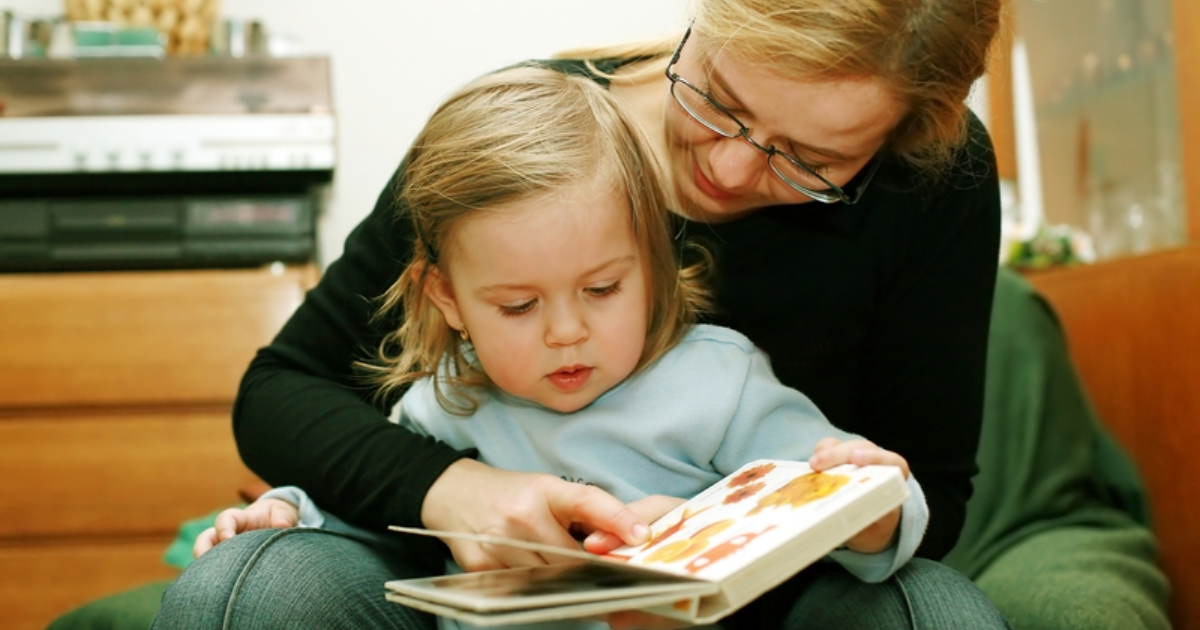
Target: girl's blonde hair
506, 137
929, 52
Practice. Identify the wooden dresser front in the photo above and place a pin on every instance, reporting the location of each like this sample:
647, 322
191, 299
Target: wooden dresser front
115, 398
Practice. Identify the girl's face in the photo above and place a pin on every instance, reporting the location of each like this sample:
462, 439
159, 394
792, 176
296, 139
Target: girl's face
553, 293
835, 127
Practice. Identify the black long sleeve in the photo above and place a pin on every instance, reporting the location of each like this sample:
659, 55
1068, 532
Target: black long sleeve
879, 312
303, 418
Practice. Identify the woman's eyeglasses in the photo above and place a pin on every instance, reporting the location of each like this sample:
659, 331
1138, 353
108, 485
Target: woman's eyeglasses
795, 173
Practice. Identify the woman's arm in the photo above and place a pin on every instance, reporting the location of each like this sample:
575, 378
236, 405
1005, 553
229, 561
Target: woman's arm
302, 417
925, 354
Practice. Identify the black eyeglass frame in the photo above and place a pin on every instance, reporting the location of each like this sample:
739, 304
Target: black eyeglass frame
833, 194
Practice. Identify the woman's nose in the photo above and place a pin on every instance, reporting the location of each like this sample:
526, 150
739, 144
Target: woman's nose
735, 164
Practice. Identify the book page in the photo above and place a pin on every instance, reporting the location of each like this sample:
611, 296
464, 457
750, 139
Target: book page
733, 523
547, 586
748, 514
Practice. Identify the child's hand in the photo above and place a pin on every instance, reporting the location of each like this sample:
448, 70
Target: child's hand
831, 452
261, 514
648, 509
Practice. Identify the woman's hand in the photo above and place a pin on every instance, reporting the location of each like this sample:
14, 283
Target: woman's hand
831, 452
476, 498
261, 514
649, 509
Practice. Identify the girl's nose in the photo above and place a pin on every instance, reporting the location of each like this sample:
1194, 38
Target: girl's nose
565, 327
735, 164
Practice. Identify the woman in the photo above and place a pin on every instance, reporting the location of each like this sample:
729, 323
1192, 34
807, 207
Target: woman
822, 150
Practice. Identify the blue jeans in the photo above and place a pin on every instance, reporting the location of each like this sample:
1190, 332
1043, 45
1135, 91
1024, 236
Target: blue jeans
298, 579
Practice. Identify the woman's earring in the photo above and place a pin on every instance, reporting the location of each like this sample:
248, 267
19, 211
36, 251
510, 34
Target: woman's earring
463, 333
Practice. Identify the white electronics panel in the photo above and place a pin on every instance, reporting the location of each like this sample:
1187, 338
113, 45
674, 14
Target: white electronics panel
179, 142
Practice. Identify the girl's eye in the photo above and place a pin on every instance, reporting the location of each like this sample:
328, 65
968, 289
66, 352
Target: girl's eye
605, 291
512, 310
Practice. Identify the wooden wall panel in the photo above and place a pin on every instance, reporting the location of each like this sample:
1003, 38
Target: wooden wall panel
1001, 124
37, 584
1133, 326
115, 395
119, 474
1187, 56
68, 341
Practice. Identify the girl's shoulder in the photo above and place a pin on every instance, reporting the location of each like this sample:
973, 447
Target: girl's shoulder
711, 348
719, 337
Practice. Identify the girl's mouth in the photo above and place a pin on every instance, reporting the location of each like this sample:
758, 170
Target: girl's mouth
570, 378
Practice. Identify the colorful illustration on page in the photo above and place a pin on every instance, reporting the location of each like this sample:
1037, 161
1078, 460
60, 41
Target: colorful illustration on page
720, 525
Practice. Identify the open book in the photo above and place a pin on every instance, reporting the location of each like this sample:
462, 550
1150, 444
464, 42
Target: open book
705, 559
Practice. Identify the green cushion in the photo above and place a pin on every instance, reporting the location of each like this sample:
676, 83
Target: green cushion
130, 610
135, 609
1059, 513
1098, 578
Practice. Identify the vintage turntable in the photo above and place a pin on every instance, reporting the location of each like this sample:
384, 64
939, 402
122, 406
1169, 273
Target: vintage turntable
150, 163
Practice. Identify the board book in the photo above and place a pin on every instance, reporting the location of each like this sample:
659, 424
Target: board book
704, 560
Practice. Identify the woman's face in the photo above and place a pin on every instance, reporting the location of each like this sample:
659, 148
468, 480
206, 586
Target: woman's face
834, 126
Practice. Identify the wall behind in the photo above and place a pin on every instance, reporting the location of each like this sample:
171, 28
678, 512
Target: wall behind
393, 62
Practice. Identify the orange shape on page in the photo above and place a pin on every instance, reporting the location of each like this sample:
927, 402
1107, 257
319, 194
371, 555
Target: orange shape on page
676, 551
712, 529
751, 474
745, 492
801, 490
668, 532
723, 550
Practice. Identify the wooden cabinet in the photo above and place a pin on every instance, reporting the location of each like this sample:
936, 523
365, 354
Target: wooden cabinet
115, 394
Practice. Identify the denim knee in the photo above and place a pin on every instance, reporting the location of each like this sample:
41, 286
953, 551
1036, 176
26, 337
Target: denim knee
290, 578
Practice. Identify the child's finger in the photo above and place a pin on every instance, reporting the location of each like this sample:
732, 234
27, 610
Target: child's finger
875, 456
837, 454
283, 515
230, 523
204, 542
825, 443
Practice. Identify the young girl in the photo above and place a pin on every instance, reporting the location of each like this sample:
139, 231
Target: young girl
549, 325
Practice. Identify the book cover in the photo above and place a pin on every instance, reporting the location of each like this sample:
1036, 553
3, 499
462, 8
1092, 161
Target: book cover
705, 559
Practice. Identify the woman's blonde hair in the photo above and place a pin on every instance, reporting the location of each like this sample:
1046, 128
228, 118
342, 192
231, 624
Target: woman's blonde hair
929, 52
506, 137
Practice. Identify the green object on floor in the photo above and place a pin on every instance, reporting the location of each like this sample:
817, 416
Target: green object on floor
135, 609
179, 554
129, 610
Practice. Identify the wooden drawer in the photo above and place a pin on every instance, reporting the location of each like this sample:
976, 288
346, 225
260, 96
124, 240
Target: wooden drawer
137, 337
37, 584
115, 398
125, 474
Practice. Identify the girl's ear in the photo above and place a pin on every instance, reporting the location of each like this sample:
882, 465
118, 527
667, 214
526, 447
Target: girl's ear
439, 291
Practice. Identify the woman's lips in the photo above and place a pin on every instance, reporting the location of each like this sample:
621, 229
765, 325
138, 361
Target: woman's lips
570, 379
706, 186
